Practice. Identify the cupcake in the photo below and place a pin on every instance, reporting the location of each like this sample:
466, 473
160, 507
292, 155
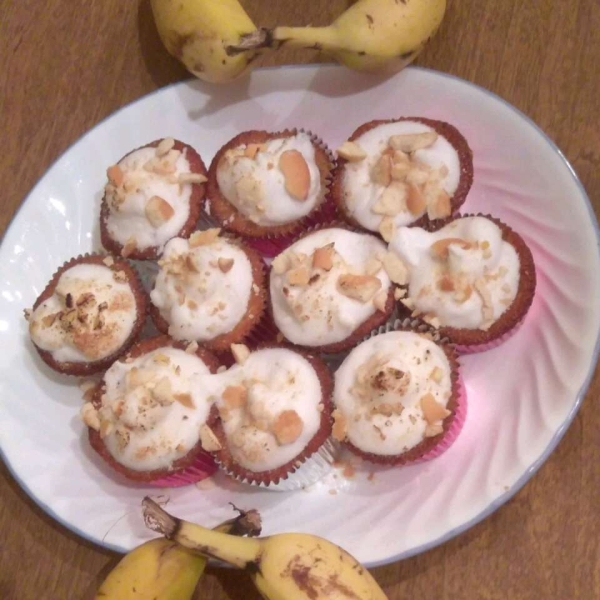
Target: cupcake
209, 289
402, 172
153, 194
147, 417
272, 418
398, 398
89, 314
266, 185
472, 277
330, 288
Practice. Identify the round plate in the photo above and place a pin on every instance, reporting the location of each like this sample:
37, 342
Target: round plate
522, 395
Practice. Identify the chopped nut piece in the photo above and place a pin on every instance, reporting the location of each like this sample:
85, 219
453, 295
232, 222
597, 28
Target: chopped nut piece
208, 439
399, 293
109, 261
381, 172
251, 150
225, 264
395, 268
203, 238
432, 410
162, 392
164, 146
415, 201
48, 320
249, 191
287, 427
400, 166
158, 211
339, 426
106, 428
191, 178
162, 358
240, 353
463, 294
136, 377
192, 347
351, 152
280, 264
380, 300
185, 400
115, 175
387, 228
299, 276
446, 284
439, 249
373, 266
436, 374
129, 248
89, 415
433, 429
441, 207
323, 257
27, 313
410, 142
296, 174
235, 396
408, 302
392, 200
359, 287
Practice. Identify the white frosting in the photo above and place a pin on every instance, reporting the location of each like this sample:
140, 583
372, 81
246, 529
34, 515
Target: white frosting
277, 205
276, 380
92, 328
494, 265
361, 193
144, 434
127, 219
332, 316
209, 302
367, 428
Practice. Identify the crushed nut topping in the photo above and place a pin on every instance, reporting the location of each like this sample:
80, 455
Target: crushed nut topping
395, 268
109, 261
299, 276
158, 211
208, 439
296, 174
280, 264
115, 175
323, 257
192, 347
235, 396
225, 264
339, 429
129, 248
387, 228
351, 151
432, 410
358, 287
439, 249
204, 238
287, 427
240, 353
185, 400
89, 415
164, 146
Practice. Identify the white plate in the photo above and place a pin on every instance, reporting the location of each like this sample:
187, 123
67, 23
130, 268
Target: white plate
522, 396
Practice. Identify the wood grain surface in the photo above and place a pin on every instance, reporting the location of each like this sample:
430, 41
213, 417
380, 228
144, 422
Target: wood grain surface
65, 65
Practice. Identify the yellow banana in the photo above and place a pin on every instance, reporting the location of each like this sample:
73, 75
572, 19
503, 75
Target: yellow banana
198, 33
371, 35
288, 566
162, 569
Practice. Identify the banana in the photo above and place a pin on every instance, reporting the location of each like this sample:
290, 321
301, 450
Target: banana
198, 33
288, 566
162, 569
371, 35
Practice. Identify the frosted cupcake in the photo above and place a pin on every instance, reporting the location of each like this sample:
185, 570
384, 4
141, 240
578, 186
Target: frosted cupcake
330, 288
402, 172
274, 418
147, 417
153, 194
266, 184
473, 278
89, 314
209, 289
398, 398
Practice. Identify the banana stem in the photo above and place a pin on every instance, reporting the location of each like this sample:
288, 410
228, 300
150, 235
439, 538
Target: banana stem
316, 38
238, 551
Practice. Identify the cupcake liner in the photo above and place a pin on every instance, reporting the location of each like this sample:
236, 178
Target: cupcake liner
314, 468
270, 243
203, 466
448, 131
475, 348
197, 199
141, 299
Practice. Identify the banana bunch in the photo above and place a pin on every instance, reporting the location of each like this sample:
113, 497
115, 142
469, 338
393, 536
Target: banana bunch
217, 41
288, 566
162, 569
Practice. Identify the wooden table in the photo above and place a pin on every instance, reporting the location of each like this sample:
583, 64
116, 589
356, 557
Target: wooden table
65, 65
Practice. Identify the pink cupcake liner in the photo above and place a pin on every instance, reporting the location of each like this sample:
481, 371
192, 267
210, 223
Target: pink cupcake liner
449, 437
474, 348
204, 466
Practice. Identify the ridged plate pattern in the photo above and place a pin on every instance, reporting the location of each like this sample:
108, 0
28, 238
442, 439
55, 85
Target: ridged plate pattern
522, 395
